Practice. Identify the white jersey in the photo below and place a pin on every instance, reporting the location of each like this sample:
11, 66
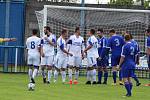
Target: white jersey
76, 45
61, 44
93, 52
33, 44
48, 49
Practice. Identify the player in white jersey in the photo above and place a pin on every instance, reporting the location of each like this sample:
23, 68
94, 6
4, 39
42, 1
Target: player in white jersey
61, 57
92, 55
48, 44
76, 46
33, 47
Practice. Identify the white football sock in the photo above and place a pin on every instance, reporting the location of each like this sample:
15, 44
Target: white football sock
49, 75
55, 75
35, 73
76, 75
63, 74
70, 73
94, 75
88, 76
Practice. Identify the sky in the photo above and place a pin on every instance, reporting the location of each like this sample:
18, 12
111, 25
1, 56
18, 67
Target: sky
95, 1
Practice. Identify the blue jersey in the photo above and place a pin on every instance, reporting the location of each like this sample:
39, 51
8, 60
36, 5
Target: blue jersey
129, 53
148, 42
136, 45
102, 47
115, 43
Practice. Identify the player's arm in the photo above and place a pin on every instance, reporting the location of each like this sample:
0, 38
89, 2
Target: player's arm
123, 53
104, 49
64, 50
7, 39
148, 47
41, 48
52, 42
69, 43
89, 47
82, 49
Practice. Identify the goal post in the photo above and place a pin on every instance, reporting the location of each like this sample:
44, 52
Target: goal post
130, 20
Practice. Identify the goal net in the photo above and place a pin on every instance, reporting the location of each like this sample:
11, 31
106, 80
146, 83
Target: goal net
122, 20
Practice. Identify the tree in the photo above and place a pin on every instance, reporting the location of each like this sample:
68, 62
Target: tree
122, 2
144, 3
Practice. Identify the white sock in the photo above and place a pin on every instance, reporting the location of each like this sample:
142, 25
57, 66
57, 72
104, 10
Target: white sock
76, 75
49, 75
70, 73
94, 75
55, 75
63, 74
30, 73
35, 72
88, 76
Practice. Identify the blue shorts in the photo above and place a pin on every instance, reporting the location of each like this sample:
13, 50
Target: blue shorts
127, 73
148, 61
115, 60
103, 63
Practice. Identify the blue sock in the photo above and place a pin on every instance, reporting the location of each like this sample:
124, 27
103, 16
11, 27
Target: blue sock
127, 87
100, 73
120, 76
105, 76
131, 85
135, 78
114, 76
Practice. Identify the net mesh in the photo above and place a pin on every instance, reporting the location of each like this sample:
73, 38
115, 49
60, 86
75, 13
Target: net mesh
133, 22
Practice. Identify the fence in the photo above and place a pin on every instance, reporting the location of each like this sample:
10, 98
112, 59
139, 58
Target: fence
16, 60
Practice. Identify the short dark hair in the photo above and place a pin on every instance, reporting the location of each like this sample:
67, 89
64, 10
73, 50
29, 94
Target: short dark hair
112, 31
148, 30
130, 35
64, 30
77, 29
101, 30
48, 28
127, 37
92, 31
34, 31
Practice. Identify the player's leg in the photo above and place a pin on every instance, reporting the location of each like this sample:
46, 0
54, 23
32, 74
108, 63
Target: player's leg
105, 64
43, 66
127, 84
57, 68
50, 60
100, 71
78, 61
136, 79
63, 69
36, 63
30, 65
70, 68
89, 74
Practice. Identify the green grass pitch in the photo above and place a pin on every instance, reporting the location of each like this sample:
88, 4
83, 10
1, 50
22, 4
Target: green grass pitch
14, 87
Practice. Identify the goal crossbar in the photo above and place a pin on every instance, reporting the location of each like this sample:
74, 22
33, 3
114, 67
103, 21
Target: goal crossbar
96, 9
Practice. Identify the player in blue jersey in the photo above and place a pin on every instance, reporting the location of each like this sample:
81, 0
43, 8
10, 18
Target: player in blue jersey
102, 61
148, 50
115, 43
127, 63
137, 58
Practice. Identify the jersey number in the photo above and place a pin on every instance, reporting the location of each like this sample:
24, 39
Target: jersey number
117, 42
132, 50
32, 45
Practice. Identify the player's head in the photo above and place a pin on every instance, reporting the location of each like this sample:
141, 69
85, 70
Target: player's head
47, 30
64, 33
112, 32
91, 32
34, 32
77, 30
100, 33
148, 32
127, 37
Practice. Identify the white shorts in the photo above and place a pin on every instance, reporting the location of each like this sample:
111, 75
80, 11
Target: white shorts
92, 61
47, 60
61, 62
75, 61
34, 59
